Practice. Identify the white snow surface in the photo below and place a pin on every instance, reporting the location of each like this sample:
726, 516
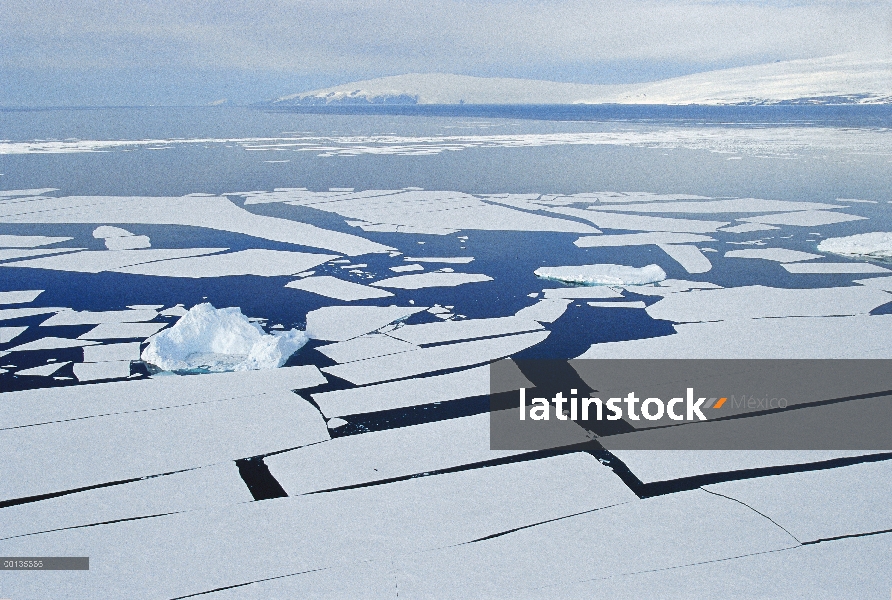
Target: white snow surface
870, 245
220, 340
603, 274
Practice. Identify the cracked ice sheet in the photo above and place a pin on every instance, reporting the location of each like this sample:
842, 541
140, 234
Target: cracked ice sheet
781, 255
404, 393
734, 205
265, 263
109, 352
834, 268
297, 535
339, 323
807, 572
365, 346
670, 286
18, 313
437, 358
95, 371
450, 331
111, 331
19, 297
48, 343
44, 370
427, 280
806, 218
213, 485
29, 241
73, 317
820, 504
97, 261
658, 533
800, 337
138, 444
544, 311
210, 212
31, 407
332, 287
749, 302
610, 220
15, 254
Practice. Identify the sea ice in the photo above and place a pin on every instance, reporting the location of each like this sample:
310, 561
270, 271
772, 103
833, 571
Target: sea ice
73, 317
406, 268
617, 304
339, 323
96, 261
19, 297
43, 370
7, 334
426, 280
610, 220
365, 346
600, 291
748, 227
130, 242
111, 331
641, 239
734, 205
688, 256
174, 311
220, 340
18, 313
834, 268
781, 255
49, 343
266, 263
805, 218
544, 311
106, 231
863, 245
603, 274
437, 333
332, 287
29, 241
30, 253
94, 371
111, 352
458, 260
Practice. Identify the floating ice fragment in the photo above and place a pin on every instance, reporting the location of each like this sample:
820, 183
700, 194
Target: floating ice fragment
544, 311
73, 317
336, 422
406, 268
174, 311
106, 232
29, 253
94, 371
332, 287
111, 331
112, 352
7, 334
776, 254
218, 340
603, 274
339, 323
255, 261
130, 242
43, 370
805, 218
877, 244
688, 256
19, 297
616, 304
49, 343
426, 280
460, 260
29, 241
747, 227
834, 268
581, 292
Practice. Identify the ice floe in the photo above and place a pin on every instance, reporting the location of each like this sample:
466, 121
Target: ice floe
750, 302
781, 255
863, 245
43, 370
610, 220
600, 291
437, 333
637, 304
427, 280
733, 205
834, 268
338, 323
641, 239
748, 227
95, 371
73, 317
687, 256
436, 358
603, 274
130, 242
339, 289
806, 218
30, 253
19, 297
96, 261
49, 343
29, 241
18, 313
110, 331
266, 263
220, 340
112, 352
7, 334
545, 311
174, 311
457, 260
365, 346
406, 268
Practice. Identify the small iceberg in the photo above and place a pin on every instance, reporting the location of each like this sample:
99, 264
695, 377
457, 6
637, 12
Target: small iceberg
863, 245
605, 274
207, 339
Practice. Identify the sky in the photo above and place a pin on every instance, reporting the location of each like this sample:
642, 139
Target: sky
193, 52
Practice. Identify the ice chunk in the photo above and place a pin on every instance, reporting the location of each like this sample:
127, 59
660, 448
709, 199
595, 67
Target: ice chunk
406, 268
581, 292
44, 370
130, 242
603, 274
7, 334
617, 304
436, 333
834, 268
332, 287
365, 346
426, 280
106, 232
266, 263
93, 371
19, 297
14, 254
338, 323
750, 302
776, 254
436, 358
50, 343
806, 218
29, 241
688, 257
73, 317
110, 331
641, 239
110, 352
458, 260
96, 261
870, 245
544, 311
217, 340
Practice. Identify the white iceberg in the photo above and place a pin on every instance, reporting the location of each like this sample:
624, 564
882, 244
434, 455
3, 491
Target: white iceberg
604, 274
868, 245
216, 340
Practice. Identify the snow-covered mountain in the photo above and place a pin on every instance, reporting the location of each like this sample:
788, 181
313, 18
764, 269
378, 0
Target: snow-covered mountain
846, 79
